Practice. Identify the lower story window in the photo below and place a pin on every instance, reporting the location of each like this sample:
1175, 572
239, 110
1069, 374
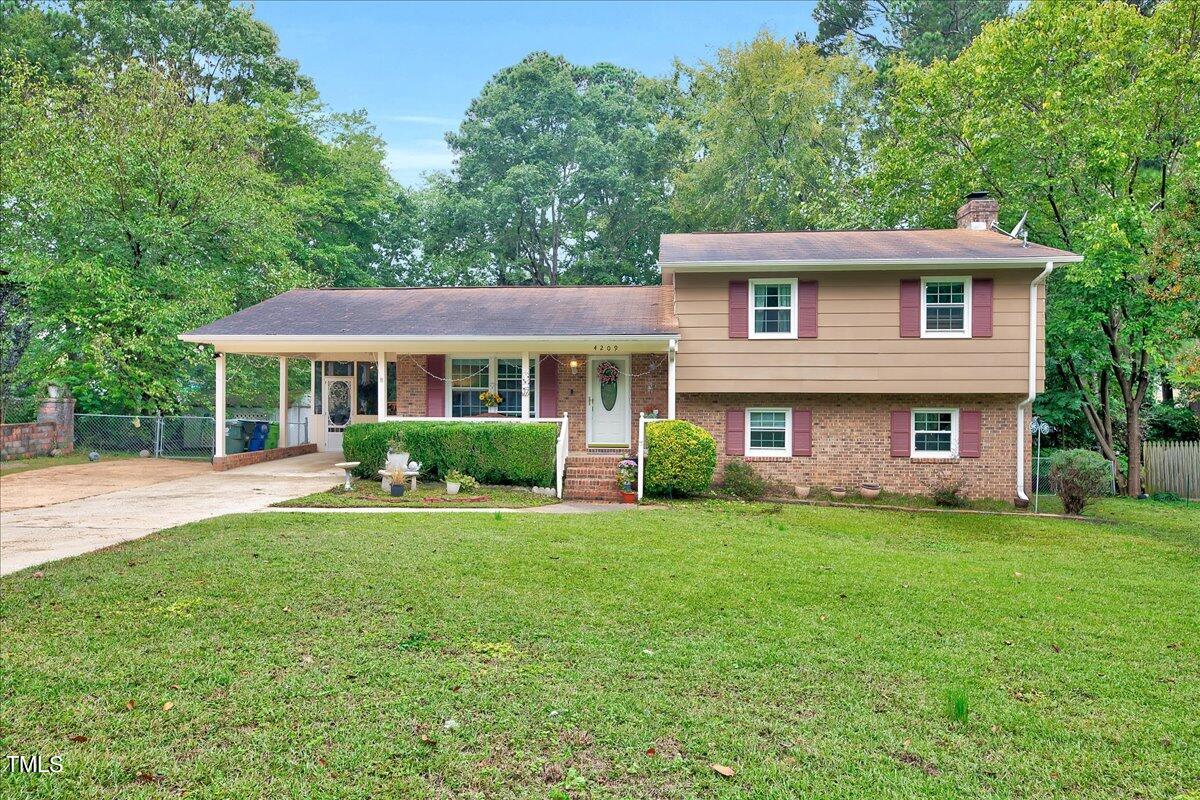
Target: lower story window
768, 431
471, 377
508, 386
935, 432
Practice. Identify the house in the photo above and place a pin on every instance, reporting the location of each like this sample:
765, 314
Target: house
823, 357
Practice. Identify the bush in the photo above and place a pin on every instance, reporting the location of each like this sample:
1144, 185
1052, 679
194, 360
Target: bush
680, 458
517, 453
1079, 475
1168, 423
946, 490
741, 480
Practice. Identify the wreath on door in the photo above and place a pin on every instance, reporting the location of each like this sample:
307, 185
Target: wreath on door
608, 373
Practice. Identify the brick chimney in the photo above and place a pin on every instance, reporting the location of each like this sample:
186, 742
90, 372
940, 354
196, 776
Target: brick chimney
978, 213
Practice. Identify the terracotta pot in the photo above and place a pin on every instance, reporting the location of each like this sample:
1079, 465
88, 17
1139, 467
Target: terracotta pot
869, 490
628, 497
802, 491
838, 492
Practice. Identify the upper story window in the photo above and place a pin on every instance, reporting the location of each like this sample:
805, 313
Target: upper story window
946, 307
773, 309
934, 433
768, 432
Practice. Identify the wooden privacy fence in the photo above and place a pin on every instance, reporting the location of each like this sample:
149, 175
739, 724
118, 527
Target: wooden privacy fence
1173, 467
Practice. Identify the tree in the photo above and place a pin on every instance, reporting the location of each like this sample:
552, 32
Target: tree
132, 214
560, 177
920, 30
776, 126
1087, 115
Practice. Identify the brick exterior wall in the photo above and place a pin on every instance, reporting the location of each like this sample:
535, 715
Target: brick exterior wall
410, 386
222, 463
851, 441
27, 439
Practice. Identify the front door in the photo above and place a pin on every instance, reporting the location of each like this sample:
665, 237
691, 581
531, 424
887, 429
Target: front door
337, 411
608, 401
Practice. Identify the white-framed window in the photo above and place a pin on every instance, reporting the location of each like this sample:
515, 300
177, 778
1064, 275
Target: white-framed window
946, 308
934, 433
471, 376
768, 431
772, 308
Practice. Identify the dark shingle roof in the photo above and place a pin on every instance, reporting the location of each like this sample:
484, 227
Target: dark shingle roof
458, 311
839, 246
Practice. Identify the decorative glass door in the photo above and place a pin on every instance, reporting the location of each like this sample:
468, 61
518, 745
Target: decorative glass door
608, 417
337, 411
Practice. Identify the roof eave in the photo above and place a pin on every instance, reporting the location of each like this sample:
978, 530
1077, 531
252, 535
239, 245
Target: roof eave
864, 263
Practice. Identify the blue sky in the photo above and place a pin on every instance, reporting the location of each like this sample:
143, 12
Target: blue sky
416, 66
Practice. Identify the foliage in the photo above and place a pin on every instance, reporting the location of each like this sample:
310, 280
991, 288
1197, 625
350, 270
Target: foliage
946, 490
680, 458
776, 125
957, 705
920, 30
491, 452
561, 176
465, 482
626, 473
1165, 422
1087, 115
743, 481
1079, 475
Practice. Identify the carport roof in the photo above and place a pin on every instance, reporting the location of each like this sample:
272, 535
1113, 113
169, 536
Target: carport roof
457, 312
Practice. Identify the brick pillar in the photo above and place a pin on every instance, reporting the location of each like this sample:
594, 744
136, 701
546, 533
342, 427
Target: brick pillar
59, 409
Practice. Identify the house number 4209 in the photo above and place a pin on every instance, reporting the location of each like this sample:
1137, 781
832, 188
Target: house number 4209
604, 348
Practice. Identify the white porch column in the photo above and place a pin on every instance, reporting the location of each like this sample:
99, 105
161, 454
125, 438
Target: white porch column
671, 379
283, 402
219, 407
524, 385
381, 386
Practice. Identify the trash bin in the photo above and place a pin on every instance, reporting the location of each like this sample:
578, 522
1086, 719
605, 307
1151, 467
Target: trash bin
235, 438
257, 436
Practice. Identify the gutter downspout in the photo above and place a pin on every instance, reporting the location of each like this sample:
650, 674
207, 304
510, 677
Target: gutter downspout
1023, 498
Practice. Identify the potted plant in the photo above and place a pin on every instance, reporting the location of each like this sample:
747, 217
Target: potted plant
396, 479
802, 491
457, 481
869, 490
490, 399
626, 475
838, 492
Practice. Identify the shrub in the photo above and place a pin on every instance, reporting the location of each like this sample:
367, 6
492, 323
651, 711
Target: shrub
680, 458
516, 453
742, 480
946, 490
1079, 475
1165, 422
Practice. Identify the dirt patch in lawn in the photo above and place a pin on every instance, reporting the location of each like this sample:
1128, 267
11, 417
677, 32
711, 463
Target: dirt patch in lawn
44, 487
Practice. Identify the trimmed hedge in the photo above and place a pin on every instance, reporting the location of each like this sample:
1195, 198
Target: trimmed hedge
517, 453
680, 458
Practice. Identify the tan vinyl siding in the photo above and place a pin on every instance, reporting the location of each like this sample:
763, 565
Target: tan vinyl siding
858, 346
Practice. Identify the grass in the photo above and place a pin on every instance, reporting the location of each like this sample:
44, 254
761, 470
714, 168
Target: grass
815, 651
42, 462
370, 494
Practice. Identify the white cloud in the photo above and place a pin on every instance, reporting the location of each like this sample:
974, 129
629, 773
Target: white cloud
406, 162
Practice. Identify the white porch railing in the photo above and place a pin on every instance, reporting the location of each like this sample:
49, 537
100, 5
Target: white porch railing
561, 445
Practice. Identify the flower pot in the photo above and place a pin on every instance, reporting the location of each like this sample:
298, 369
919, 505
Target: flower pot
452, 488
397, 489
838, 492
802, 491
628, 497
869, 490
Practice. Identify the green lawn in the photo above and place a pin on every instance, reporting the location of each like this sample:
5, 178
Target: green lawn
370, 494
615, 655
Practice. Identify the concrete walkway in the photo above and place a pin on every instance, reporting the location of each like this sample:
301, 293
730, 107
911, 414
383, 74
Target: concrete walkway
31, 536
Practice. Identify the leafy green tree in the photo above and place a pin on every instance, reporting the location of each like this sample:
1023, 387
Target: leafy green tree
1087, 115
131, 214
920, 30
561, 176
776, 126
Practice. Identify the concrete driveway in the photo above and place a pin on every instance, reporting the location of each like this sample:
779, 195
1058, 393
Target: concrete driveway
36, 535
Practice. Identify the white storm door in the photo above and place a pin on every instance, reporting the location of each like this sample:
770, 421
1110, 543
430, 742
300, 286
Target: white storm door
608, 401
337, 411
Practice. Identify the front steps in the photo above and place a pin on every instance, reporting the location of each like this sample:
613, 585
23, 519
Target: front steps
592, 476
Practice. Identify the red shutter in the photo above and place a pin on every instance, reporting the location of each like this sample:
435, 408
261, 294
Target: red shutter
801, 432
900, 439
547, 381
735, 432
910, 308
970, 433
435, 386
739, 300
981, 307
806, 309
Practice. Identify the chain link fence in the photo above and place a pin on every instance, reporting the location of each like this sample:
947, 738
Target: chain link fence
1044, 484
178, 436
18, 409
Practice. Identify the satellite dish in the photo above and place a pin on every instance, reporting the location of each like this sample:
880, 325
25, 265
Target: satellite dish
1018, 231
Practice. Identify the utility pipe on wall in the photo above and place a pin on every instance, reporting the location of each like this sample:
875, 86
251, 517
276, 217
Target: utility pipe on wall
1028, 401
